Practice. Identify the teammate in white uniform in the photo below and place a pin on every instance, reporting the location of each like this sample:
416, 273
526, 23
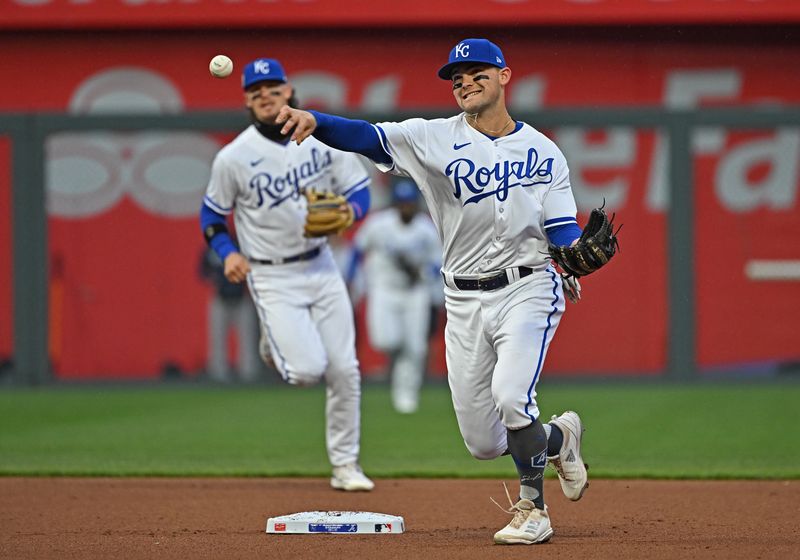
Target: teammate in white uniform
497, 190
402, 251
306, 316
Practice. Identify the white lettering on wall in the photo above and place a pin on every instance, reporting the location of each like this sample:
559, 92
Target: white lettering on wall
164, 172
778, 188
686, 89
527, 94
88, 173
320, 89
616, 151
381, 94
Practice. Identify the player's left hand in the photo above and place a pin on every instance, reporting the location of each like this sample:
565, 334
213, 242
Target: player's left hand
300, 123
596, 246
572, 288
236, 268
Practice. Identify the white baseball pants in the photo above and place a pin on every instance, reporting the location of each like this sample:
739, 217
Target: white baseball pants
398, 322
308, 318
496, 343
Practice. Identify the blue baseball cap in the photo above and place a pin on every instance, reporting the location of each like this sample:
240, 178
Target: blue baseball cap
405, 191
262, 69
473, 50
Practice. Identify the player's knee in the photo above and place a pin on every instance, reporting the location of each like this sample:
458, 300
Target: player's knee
484, 449
485, 453
308, 373
302, 380
384, 345
384, 340
510, 408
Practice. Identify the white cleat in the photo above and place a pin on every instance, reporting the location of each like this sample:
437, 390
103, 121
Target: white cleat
405, 404
568, 463
351, 478
529, 525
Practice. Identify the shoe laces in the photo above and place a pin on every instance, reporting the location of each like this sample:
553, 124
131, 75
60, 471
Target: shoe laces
559, 468
520, 515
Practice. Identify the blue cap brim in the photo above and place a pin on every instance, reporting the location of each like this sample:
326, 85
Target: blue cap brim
446, 71
267, 79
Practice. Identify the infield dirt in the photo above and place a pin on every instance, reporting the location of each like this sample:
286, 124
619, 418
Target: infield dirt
184, 519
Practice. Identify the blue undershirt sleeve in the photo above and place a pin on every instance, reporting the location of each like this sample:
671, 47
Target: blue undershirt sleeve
564, 235
350, 135
360, 200
222, 243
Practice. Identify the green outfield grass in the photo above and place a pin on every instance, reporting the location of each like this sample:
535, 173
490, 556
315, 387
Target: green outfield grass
653, 431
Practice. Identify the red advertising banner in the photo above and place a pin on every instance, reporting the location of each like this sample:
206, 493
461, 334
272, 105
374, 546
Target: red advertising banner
125, 241
129, 14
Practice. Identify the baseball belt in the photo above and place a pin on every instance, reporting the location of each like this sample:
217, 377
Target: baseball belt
307, 256
493, 282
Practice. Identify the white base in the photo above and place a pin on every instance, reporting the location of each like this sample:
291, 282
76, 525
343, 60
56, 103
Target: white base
362, 522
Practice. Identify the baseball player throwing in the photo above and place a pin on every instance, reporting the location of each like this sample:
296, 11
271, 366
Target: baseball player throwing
499, 193
401, 250
272, 187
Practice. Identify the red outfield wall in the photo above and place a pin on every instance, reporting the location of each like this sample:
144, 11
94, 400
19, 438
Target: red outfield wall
124, 239
148, 14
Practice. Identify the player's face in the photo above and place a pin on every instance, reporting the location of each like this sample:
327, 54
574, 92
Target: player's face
477, 87
408, 210
265, 99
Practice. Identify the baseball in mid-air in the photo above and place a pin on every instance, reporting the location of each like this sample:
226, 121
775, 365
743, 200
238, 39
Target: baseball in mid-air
221, 66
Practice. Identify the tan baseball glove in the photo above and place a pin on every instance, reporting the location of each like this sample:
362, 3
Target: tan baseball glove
328, 213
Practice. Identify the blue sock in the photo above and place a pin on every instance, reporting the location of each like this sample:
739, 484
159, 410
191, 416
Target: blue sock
555, 440
528, 447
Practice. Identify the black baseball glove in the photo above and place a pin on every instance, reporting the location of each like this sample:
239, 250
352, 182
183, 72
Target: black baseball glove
597, 244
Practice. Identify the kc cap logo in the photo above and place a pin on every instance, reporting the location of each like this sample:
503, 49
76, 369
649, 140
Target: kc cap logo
261, 70
473, 50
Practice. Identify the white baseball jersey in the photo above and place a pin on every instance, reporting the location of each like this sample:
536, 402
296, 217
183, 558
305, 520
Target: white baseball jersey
399, 307
384, 239
491, 200
303, 307
260, 180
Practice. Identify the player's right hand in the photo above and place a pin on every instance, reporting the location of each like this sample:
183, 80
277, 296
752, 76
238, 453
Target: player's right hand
572, 288
300, 123
236, 268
